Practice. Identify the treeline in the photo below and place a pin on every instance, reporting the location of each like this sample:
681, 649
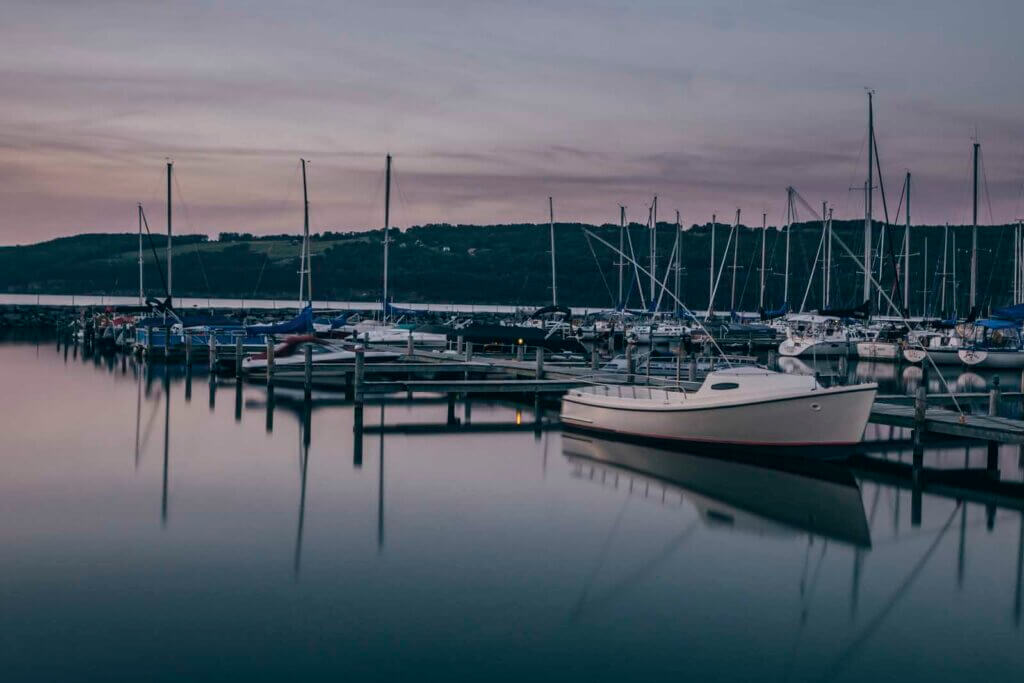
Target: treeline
511, 264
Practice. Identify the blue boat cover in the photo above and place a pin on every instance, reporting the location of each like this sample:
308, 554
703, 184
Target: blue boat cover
303, 322
1015, 312
996, 324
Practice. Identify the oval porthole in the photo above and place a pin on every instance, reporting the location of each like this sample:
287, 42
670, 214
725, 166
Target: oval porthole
725, 385
815, 406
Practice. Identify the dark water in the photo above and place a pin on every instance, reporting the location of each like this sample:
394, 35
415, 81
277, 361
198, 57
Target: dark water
149, 534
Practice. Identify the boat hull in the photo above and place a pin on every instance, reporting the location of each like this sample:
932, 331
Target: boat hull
870, 350
991, 359
793, 348
912, 355
826, 417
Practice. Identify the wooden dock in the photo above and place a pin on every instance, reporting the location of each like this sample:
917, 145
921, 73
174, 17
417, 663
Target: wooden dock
951, 423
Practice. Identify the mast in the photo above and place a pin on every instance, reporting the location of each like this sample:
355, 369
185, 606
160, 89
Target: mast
735, 251
824, 254
711, 274
924, 290
554, 281
305, 278
956, 282
906, 255
868, 223
828, 272
141, 292
764, 237
387, 229
789, 229
170, 271
622, 250
679, 261
654, 245
974, 230
945, 272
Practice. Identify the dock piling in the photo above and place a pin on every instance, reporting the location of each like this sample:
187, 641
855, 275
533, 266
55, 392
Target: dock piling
594, 359
459, 341
520, 352
409, 345
307, 380
469, 351
920, 409
213, 351
993, 398
188, 350
629, 363
270, 359
357, 379
540, 362
238, 357
693, 367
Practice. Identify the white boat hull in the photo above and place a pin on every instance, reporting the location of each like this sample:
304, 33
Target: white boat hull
811, 347
824, 417
939, 357
992, 359
870, 350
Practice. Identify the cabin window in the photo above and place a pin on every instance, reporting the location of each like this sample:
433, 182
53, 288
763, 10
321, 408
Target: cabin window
721, 386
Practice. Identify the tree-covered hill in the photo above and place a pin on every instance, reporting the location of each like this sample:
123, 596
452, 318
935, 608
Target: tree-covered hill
508, 264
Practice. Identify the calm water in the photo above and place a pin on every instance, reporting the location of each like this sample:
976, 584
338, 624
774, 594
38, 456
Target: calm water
152, 531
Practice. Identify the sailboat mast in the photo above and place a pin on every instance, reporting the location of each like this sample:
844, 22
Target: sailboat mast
789, 229
735, 252
764, 238
924, 290
868, 223
141, 292
554, 280
945, 253
824, 254
387, 228
654, 245
828, 269
711, 273
974, 230
679, 260
170, 271
622, 250
305, 278
906, 254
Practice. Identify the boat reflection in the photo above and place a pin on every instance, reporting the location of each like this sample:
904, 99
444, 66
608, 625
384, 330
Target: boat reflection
767, 497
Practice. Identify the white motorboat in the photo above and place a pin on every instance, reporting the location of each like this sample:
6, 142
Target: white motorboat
387, 334
292, 352
747, 406
815, 335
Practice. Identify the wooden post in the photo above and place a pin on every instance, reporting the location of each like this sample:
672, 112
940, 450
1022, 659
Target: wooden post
270, 359
594, 358
188, 349
920, 408
521, 353
459, 341
993, 398
540, 362
629, 362
358, 376
679, 362
307, 380
238, 357
693, 366
409, 345
213, 351
469, 351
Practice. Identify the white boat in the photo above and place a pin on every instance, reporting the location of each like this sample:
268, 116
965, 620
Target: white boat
665, 332
941, 347
992, 344
746, 406
292, 351
879, 344
387, 334
815, 335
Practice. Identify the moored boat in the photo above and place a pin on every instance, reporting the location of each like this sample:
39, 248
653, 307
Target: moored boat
748, 406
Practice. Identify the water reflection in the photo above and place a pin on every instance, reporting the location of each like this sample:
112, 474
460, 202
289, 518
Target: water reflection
767, 497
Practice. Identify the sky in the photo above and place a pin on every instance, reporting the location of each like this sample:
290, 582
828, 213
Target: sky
490, 107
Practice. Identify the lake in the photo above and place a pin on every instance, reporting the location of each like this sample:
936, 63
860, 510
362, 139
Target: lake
157, 527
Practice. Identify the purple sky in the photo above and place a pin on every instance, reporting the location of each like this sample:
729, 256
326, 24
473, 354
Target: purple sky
489, 107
